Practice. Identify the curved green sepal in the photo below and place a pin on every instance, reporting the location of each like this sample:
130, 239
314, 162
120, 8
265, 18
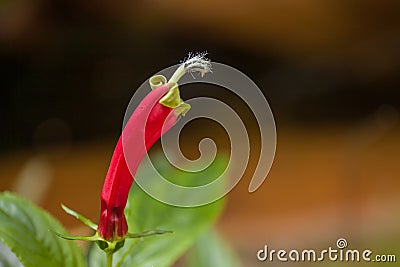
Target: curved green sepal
111, 246
80, 217
107, 246
157, 81
148, 233
83, 238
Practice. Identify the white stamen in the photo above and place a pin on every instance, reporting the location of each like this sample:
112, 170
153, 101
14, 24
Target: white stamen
193, 63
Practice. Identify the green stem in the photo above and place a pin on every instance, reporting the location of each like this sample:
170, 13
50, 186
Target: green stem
109, 259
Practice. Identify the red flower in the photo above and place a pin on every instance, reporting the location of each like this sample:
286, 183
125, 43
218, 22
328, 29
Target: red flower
154, 116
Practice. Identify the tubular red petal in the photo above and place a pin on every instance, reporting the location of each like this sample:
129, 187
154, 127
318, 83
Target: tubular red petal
148, 122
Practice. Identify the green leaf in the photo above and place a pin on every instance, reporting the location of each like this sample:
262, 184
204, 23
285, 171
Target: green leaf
211, 250
27, 231
7, 258
146, 214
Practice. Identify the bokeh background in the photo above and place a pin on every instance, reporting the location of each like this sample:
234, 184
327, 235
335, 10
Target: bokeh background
329, 69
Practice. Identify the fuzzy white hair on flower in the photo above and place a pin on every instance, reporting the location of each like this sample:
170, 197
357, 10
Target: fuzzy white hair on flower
195, 62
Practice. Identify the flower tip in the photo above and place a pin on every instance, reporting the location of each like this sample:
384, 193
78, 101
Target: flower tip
195, 62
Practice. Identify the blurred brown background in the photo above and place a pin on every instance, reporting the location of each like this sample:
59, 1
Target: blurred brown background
329, 69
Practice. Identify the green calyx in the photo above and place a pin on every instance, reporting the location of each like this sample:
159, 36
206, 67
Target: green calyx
108, 246
111, 247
